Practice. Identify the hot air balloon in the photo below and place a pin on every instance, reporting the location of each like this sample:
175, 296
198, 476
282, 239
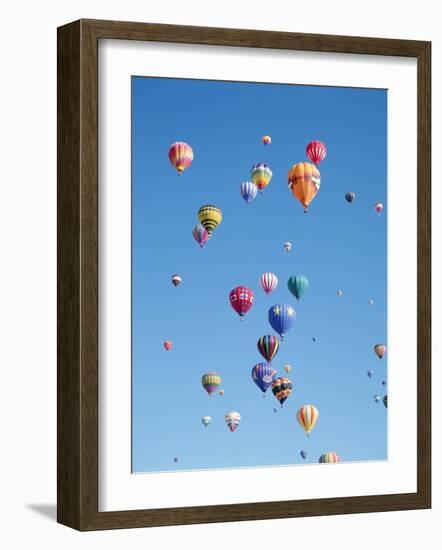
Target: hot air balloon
200, 234
380, 350
221, 392
370, 302
261, 175
262, 374
316, 151
180, 156
314, 339
350, 197
281, 318
210, 217
370, 373
206, 420
176, 280
241, 299
298, 285
304, 181
175, 459
377, 398
167, 345
385, 400
275, 410
211, 381
248, 191
232, 420
329, 458
267, 140
379, 207
340, 293
281, 388
268, 282
268, 346
288, 368
307, 417
303, 454
384, 383
287, 246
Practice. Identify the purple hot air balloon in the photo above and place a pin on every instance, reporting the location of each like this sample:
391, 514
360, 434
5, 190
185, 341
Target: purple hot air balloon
200, 234
262, 374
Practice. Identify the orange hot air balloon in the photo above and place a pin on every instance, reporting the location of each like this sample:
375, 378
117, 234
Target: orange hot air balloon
167, 345
304, 181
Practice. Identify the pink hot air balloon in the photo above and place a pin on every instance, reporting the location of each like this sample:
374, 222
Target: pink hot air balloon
180, 156
167, 345
269, 282
379, 207
200, 234
316, 151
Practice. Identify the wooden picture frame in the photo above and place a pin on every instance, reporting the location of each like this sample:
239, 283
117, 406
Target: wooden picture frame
77, 225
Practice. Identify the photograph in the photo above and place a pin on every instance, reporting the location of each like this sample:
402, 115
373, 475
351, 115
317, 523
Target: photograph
259, 298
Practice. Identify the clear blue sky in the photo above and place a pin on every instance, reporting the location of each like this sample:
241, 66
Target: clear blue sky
336, 246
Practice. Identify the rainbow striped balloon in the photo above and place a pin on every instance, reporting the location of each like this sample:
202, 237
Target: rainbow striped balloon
329, 458
307, 417
211, 381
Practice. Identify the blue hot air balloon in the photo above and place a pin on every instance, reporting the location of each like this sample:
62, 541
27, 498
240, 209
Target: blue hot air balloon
369, 373
303, 454
298, 285
281, 318
262, 374
248, 190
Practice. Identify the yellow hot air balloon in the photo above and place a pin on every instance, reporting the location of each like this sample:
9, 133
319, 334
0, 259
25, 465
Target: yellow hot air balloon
307, 417
210, 217
304, 181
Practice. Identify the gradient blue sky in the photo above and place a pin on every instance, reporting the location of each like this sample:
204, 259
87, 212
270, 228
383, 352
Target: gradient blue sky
336, 246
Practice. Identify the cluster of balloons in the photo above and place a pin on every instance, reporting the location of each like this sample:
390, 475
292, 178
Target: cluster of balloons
210, 217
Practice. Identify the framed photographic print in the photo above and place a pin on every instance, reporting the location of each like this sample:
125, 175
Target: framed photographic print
243, 275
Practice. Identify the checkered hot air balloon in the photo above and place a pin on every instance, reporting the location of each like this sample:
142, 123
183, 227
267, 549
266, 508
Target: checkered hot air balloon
210, 216
241, 299
281, 388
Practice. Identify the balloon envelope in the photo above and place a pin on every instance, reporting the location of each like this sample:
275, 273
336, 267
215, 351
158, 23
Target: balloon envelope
268, 282
241, 299
176, 279
268, 346
232, 420
267, 140
287, 246
303, 454
298, 285
262, 375
281, 388
167, 345
206, 420
261, 175
316, 151
210, 216
350, 197
281, 318
307, 417
248, 190
211, 381
200, 234
329, 458
380, 350
304, 181
180, 156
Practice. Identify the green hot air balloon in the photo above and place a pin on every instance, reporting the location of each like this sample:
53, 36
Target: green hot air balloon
298, 285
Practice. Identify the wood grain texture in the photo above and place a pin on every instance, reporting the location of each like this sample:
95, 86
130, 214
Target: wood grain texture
77, 222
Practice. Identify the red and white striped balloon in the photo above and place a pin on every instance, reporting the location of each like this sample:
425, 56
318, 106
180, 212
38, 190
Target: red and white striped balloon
316, 151
269, 282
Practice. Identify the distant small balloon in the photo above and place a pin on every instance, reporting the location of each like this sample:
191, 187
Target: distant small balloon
303, 454
380, 350
340, 293
316, 151
329, 458
370, 302
379, 207
175, 459
275, 410
314, 339
206, 420
287, 246
350, 197
267, 140
385, 400
384, 383
370, 373
167, 345
221, 392
232, 420
377, 398
176, 279
288, 368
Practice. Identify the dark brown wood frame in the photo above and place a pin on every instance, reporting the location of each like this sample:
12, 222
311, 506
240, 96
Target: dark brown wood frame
77, 224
